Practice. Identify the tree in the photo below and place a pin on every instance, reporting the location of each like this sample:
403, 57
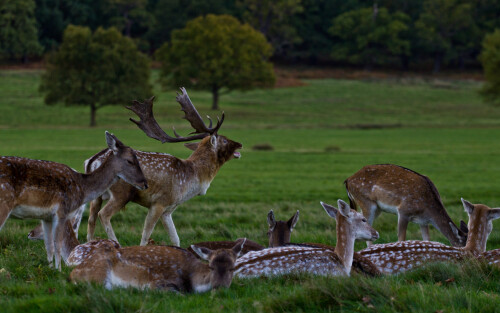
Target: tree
18, 34
446, 30
369, 36
273, 19
95, 70
215, 52
490, 59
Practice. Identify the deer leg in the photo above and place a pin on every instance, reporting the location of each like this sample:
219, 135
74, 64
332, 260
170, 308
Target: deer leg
4, 214
152, 218
113, 206
166, 218
77, 219
425, 232
94, 208
48, 237
402, 225
60, 224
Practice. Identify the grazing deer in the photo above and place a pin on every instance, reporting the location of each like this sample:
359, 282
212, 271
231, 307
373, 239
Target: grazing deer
52, 191
398, 190
157, 267
351, 225
172, 181
393, 258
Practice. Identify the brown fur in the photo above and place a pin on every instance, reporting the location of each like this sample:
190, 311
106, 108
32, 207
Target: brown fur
401, 256
159, 267
52, 191
413, 196
172, 181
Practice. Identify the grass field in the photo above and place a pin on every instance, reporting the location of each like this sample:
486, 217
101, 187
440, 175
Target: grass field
321, 134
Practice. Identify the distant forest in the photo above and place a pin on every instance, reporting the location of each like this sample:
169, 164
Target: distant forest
404, 34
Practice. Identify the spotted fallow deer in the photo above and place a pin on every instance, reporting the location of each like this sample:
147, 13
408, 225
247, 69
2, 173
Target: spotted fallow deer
397, 257
401, 191
156, 267
172, 181
351, 225
52, 191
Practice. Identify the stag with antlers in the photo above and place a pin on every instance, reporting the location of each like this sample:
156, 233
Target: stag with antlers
171, 180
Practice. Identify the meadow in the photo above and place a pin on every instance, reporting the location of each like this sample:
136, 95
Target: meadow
321, 133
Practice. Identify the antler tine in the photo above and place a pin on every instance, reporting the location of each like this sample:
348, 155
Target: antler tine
149, 125
192, 115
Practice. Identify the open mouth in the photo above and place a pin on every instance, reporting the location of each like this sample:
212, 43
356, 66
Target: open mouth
237, 155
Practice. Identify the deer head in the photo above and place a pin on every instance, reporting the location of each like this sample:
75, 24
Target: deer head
224, 148
221, 262
125, 161
279, 231
350, 221
480, 225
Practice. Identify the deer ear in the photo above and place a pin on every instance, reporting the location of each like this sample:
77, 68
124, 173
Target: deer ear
463, 227
293, 220
344, 208
191, 145
270, 220
113, 143
201, 251
493, 214
151, 99
238, 247
213, 140
469, 207
330, 210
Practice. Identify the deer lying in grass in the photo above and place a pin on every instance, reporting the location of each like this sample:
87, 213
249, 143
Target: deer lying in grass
172, 181
154, 267
393, 258
409, 195
52, 191
351, 225
279, 233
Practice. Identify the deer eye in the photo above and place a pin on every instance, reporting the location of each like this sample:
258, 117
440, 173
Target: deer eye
224, 141
364, 220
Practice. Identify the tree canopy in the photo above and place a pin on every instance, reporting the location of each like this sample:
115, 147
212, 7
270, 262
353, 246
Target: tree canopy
490, 58
95, 69
215, 52
369, 36
18, 33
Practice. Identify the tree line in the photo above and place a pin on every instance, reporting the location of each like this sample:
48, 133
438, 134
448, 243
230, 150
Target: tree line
389, 33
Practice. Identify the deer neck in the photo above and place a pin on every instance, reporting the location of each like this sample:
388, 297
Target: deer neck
477, 238
69, 242
345, 242
96, 182
200, 277
205, 163
446, 226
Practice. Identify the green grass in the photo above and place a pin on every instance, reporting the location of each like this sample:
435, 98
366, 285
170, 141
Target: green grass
321, 134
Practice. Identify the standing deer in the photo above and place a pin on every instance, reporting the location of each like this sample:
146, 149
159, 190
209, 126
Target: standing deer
37, 232
52, 191
172, 181
155, 267
393, 258
351, 225
398, 190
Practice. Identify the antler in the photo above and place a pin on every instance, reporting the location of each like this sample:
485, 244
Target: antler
149, 125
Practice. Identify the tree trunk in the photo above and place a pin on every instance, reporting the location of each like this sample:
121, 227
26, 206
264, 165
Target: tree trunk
438, 59
93, 110
215, 98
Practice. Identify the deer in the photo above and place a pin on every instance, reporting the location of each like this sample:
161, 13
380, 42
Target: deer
37, 232
279, 233
155, 267
172, 181
351, 225
397, 257
411, 196
52, 191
